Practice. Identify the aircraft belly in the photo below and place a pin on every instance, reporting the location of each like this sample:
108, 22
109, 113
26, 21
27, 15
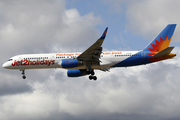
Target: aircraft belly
93, 66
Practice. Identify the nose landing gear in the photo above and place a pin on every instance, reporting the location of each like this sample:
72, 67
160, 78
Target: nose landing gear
23, 73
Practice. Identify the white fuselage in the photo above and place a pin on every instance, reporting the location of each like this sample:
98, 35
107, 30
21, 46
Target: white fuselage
53, 60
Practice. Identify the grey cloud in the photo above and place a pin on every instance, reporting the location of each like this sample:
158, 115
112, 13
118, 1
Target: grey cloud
14, 88
48, 24
149, 17
11, 84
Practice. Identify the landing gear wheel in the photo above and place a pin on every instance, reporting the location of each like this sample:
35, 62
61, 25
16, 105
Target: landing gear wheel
24, 77
90, 77
92, 72
88, 72
95, 78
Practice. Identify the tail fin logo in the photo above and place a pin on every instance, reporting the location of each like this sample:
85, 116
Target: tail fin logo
159, 46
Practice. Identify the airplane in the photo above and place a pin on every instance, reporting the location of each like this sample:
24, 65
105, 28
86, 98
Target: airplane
81, 64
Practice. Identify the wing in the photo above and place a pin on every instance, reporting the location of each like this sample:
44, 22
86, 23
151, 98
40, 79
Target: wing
92, 54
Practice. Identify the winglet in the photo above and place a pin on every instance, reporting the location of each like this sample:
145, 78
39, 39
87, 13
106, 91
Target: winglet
104, 34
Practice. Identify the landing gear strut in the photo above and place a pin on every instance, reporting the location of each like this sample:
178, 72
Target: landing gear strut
92, 74
23, 73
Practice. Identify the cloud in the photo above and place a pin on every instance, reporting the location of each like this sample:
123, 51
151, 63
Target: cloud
77, 29
48, 24
115, 6
149, 17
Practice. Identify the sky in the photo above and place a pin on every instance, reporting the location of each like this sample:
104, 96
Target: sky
49, 26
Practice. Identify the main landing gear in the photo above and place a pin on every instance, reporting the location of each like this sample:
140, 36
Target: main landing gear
92, 74
23, 73
92, 77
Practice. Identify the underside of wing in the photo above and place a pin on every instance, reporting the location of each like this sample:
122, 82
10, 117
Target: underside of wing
105, 69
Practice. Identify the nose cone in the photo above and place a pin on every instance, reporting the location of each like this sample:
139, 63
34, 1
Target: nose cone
5, 65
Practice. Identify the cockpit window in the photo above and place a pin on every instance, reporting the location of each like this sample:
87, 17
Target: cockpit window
10, 59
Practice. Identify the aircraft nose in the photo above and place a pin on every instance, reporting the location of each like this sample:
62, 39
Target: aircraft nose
5, 65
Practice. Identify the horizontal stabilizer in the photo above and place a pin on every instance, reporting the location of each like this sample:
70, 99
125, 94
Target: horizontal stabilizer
163, 52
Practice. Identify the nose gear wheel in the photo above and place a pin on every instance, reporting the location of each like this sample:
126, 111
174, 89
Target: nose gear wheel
23, 73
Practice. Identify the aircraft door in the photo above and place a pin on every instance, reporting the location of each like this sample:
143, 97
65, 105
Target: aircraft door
53, 57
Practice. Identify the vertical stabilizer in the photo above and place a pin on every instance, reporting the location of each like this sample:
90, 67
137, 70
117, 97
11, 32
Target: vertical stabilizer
163, 40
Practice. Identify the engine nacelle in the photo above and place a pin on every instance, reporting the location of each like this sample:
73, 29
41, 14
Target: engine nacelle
76, 72
70, 63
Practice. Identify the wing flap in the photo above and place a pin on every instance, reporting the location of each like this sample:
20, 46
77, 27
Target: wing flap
105, 69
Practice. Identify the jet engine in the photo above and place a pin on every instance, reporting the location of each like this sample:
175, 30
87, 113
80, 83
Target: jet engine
76, 72
70, 63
